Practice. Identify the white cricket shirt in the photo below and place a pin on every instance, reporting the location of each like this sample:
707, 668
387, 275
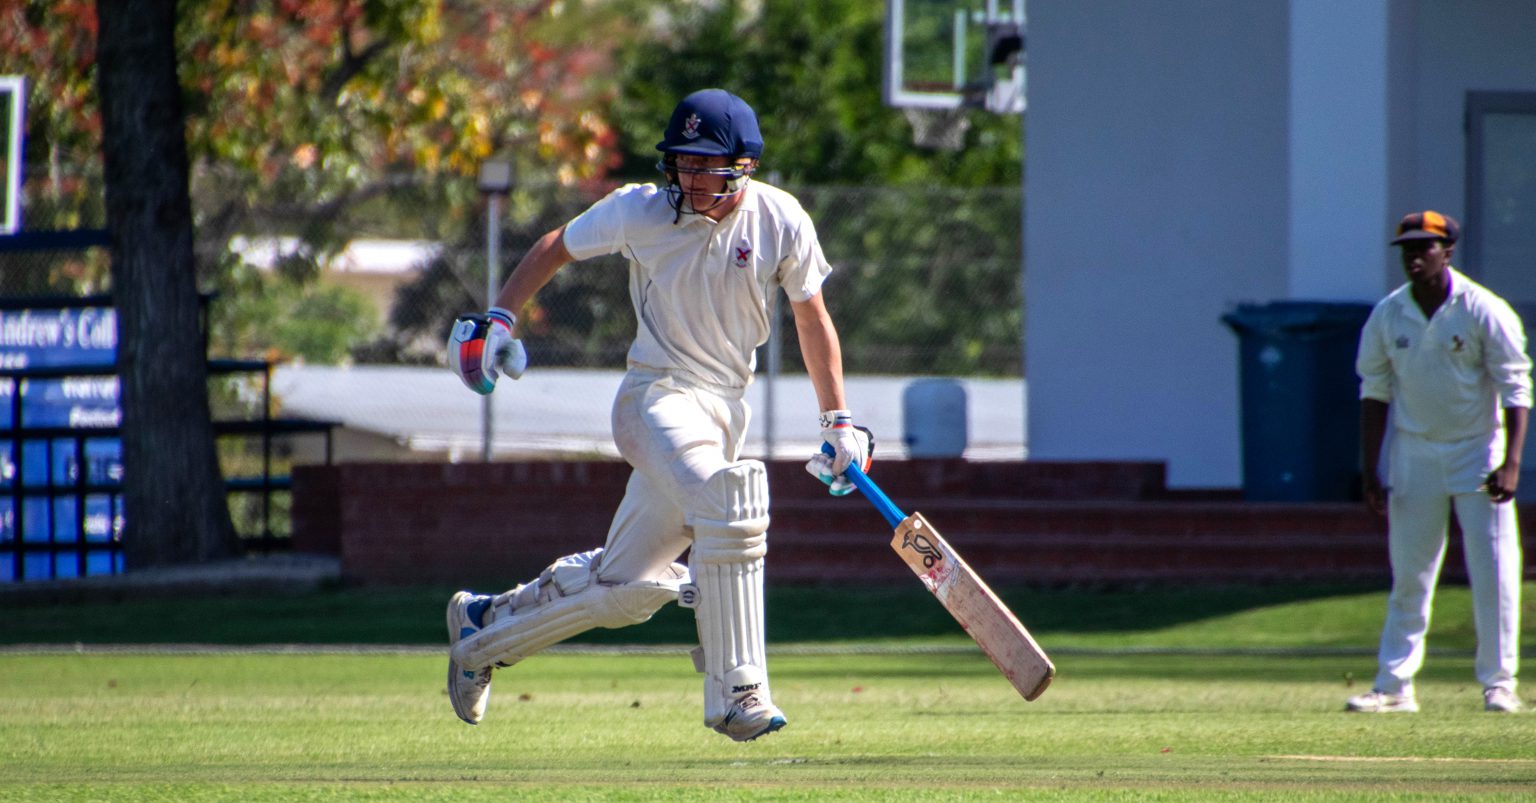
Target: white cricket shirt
1449, 377
703, 289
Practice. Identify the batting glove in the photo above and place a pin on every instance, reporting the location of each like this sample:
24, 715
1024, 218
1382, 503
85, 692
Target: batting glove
852, 445
482, 343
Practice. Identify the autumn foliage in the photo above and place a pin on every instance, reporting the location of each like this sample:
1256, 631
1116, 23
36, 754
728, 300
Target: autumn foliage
307, 101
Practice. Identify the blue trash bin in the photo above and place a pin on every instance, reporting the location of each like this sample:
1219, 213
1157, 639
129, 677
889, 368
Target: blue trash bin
1300, 399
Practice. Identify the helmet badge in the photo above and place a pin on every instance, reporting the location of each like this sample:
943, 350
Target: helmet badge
691, 126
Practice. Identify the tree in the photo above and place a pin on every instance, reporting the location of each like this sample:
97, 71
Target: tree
812, 73
173, 494
323, 118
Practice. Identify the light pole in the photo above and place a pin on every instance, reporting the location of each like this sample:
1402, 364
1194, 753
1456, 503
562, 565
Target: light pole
495, 181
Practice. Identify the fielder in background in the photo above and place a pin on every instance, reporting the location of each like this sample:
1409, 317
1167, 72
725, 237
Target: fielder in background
707, 255
1447, 358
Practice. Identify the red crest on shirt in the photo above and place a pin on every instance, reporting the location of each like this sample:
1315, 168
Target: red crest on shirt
743, 255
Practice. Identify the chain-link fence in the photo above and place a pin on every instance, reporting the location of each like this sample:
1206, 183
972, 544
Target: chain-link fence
926, 281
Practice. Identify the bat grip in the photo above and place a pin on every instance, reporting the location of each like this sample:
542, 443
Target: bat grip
888, 509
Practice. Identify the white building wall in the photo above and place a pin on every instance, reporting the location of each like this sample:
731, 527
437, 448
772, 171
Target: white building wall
1156, 174
1337, 148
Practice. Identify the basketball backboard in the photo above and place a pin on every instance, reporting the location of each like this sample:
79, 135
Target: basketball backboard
949, 54
13, 105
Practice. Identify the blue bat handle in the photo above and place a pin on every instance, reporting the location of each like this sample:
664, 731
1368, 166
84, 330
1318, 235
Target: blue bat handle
888, 509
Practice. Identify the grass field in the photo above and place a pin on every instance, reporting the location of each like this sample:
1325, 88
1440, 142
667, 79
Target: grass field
1231, 694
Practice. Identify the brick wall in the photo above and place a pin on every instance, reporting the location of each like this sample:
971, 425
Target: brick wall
1016, 522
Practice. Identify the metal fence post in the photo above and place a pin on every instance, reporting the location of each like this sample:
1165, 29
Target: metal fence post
495, 182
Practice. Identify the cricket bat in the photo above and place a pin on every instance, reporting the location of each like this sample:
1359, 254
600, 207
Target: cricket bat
963, 593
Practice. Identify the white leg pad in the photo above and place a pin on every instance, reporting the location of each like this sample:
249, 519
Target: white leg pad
730, 515
730, 620
730, 525
563, 602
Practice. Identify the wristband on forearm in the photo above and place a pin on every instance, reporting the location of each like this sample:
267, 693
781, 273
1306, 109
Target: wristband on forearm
502, 316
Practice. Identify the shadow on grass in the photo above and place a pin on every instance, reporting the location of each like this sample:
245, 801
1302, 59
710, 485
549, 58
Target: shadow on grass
795, 613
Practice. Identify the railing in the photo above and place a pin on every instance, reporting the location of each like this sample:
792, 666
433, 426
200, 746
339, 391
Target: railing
89, 489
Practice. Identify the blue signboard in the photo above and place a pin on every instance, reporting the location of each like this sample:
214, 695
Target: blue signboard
51, 338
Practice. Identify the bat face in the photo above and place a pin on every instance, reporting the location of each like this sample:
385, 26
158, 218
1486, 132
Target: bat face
920, 544
938, 570
973, 604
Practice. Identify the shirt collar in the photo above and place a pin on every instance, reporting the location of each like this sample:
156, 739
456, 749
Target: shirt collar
749, 197
1459, 283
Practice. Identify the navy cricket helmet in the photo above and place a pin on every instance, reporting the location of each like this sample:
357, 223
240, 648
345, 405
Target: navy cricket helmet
713, 122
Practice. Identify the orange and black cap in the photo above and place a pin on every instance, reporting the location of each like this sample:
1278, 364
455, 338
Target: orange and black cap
1427, 225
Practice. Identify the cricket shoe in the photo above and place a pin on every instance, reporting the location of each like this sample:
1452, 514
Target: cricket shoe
751, 714
1380, 702
1500, 699
468, 689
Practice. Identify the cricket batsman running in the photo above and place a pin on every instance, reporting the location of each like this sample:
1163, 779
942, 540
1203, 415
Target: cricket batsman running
707, 253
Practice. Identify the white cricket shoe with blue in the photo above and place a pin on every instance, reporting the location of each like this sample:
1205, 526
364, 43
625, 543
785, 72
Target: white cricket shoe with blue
751, 717
751, 713
468, 689
1380, 702
1501, 700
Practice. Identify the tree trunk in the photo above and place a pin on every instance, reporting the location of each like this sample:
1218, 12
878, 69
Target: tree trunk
175, 509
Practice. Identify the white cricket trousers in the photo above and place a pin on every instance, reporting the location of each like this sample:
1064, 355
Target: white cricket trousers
676, 433
1428, 481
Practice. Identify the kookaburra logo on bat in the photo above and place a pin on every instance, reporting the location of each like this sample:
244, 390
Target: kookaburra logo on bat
922, 546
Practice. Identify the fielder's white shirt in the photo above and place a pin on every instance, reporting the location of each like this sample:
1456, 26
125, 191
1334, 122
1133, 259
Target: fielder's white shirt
703, 289
1449, 377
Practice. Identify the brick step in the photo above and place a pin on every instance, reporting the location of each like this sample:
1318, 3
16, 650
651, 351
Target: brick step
1087, 557
1085, 540
503, 522
959, 479
883, 567
1031, 517
1023, 541
1057, 480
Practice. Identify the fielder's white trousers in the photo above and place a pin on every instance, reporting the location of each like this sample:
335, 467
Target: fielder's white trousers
1428, 481
676, 433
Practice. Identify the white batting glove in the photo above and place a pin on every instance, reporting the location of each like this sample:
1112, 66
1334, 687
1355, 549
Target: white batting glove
853, 445
480, 344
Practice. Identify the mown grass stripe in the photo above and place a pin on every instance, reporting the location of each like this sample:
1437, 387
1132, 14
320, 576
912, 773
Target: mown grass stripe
680, 649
